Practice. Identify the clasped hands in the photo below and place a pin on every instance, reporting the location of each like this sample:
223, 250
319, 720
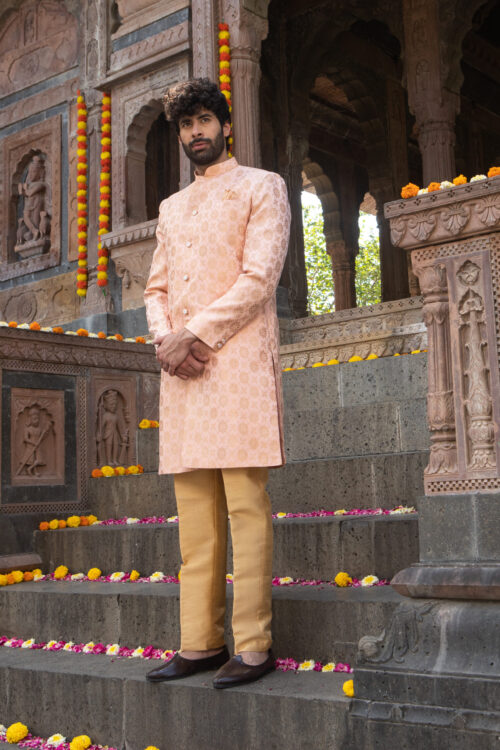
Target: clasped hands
181, 354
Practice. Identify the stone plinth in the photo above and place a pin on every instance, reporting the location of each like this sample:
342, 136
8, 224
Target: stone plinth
434, 674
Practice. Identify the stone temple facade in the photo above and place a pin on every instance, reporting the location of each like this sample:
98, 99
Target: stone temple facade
350, 97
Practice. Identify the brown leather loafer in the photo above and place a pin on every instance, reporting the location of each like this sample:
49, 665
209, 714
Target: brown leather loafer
179, 667
236, 672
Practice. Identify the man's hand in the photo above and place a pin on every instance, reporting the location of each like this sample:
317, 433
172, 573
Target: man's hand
194, 364
173, 349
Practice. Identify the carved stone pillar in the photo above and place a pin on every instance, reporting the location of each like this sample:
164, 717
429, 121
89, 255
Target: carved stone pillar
393, 264
248, 26
433, 104
343, 270
294, 271
440, 409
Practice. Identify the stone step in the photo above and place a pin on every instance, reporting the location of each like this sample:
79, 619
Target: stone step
311, 548
20, 561
372, 481
309, 622
110, 699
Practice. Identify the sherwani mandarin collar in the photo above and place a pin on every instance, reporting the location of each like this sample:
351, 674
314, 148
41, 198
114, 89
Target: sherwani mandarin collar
217, 169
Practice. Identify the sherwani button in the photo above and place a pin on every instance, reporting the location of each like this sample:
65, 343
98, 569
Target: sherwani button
195, 212
185, 312
189, 243
185, 277
219, 344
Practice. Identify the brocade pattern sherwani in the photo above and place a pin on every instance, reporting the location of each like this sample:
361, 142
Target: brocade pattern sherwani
222, 243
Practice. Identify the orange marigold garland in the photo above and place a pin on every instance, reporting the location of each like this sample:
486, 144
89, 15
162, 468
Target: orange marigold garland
104, 190
225, 73
82, 214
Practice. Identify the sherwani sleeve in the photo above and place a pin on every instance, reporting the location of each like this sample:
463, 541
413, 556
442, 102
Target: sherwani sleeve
156, 292
264, 253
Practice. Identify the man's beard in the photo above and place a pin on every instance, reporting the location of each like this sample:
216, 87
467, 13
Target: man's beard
209, 154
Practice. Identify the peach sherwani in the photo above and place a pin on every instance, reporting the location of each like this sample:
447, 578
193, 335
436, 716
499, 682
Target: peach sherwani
222, 243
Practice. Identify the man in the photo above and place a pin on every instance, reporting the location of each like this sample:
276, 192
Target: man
210, 302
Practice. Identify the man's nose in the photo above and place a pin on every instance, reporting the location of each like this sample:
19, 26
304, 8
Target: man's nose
197, 130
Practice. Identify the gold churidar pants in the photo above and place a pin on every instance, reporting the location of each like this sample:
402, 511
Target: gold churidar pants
205, 498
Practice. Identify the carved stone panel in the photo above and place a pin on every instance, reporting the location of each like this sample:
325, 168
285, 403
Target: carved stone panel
37, 437
37, 41
42, 435
30, 206
132, 251
50, 302
113, 416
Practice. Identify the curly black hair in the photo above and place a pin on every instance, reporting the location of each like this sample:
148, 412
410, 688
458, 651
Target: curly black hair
187, 98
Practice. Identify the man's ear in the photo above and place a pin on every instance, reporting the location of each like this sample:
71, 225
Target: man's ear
226, 129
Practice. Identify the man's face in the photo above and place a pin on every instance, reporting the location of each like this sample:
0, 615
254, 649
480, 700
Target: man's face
202, 137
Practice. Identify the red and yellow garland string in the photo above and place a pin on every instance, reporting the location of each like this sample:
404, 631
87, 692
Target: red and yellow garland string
82, 214
104, 190
225, 73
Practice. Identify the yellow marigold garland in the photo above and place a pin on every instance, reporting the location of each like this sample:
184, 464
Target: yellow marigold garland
81, 193
104, 191
225, 73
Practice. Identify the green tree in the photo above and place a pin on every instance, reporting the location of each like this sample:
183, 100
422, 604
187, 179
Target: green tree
321, 295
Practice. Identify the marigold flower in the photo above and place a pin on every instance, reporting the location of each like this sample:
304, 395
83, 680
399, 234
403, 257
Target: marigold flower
140, 340
478, 177
54, 524
120, 471
343, 579
433, 186
16, 732
356, 358
94, 574
134, 575
83, 521
28, 575
144, 424
81, 742
151, 747
493, 171
460, 180
101, 335
10, 579
332, 362
91, 519
35, 326
74, 522
3, 580
43, 526
409, 191
61, 572
57, 329
37, 572
17, 576
348, 688
133, 470
61, 524
140, 469
96, 473
82, 332
108, 471
12, 324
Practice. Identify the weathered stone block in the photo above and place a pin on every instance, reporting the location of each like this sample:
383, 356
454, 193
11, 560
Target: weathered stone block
384, 379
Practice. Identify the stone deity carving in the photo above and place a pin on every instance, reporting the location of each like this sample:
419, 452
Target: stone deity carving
33, 230
112, 431
32, 460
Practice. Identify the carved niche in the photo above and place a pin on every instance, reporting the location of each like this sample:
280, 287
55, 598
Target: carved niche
37, 437
115, 417
30, 207
37, 41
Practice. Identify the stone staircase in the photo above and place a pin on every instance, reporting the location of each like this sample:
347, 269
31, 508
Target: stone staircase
356, 437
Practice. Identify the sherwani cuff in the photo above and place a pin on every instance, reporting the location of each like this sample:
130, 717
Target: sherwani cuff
196, 327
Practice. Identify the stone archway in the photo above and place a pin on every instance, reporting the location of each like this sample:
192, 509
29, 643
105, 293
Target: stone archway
142, 135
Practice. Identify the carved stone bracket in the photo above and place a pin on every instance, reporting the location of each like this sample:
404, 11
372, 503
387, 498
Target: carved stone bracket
132, 251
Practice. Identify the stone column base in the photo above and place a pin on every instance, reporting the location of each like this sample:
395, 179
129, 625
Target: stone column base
434, 674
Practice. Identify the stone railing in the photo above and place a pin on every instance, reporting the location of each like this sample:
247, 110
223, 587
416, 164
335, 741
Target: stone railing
385, 329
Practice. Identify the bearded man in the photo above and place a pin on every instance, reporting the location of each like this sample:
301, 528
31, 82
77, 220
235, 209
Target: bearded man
211, 306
